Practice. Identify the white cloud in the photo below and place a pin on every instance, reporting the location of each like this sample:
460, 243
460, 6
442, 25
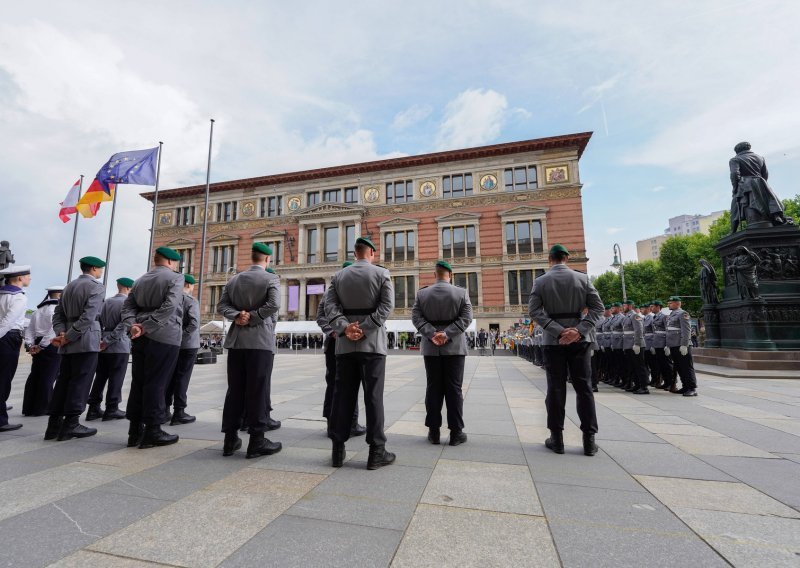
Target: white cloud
614, 230
658, 189
411, 116
475, 117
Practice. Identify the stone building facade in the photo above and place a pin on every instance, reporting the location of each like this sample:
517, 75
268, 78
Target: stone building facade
491, 211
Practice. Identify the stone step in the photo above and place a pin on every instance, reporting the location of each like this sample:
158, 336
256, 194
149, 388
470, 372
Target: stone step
747, 355
748, 364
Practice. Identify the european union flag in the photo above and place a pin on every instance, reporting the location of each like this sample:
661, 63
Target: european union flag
136, 167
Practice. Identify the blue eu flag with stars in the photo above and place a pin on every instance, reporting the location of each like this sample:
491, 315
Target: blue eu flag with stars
134, 167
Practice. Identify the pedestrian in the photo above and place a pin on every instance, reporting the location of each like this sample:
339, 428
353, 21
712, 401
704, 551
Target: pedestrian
442, 313
555, 303
175, 394
77, 328
13, 305
357, 304
45, 359
679, 347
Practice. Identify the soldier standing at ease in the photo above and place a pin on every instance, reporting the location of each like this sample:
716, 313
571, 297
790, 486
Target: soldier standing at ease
46, 360
250, 299
604, 339
665, 369
75, 322
112, 363
13, 304
442, 313
679, 348
649, 351
329, 348
175, 394
152, 312
634, 351
595, 355
357, 303
620, 374
556, 300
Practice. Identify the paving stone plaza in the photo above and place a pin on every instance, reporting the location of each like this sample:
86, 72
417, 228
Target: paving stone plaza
708, 481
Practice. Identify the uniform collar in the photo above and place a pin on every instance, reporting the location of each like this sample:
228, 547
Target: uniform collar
258, 267
10, 289
118, 295
559, 267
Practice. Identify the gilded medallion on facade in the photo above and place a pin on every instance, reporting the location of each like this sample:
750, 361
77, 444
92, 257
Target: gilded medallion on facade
248, 208
294, 203
488, 182
427, 189
165, 218
372, 194
556, 174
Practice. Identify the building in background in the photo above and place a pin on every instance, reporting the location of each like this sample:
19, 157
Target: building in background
492, 212
650, 248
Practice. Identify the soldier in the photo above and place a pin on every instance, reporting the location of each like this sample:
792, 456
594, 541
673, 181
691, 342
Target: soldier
649, 352
620, 373
153, 312
442, 313
250, 299
679, 348
537, 345
13, 304
175, 393
633, 344
112, 363
556, 300
357, 303
45, 362
604, 340
595, 351
75, 322
666, 370
330, 367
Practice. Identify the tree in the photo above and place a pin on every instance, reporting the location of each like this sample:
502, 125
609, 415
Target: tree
680, 268
792, 207
609, 287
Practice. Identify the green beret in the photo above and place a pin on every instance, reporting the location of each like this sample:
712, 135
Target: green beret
262, 248
189, 279
675, 299
365, 241
644, 306
346, 263
607, 306
559, 248
127, 282
93, 261
629, 303
445, 265
656, 303
168, 253
270, 270
617, 304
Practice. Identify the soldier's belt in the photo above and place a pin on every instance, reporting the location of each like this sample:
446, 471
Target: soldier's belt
628, 332
673, 329
564, 316
359, 312
648, 334
661, 332
443, 323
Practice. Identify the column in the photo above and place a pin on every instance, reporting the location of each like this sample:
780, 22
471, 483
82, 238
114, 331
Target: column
320, 245
284, 309
342, 256
301, 314
301, 245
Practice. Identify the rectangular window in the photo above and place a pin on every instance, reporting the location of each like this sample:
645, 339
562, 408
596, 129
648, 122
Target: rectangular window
459, 242
520, 283
524, 237
351, 195
312, 198
447, 243
404, 291
520, 178
226, 212
272, 206
276, 252
457, 185
400, 191
468, 280
332, 195
398, 246
350, 241
185, 263
331, 244
215, 293
222, 258
311, 257
185, 215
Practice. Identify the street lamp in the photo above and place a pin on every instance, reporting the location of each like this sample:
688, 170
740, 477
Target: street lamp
618, 265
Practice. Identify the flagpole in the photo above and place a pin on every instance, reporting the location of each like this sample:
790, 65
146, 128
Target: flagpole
201, 272
155, 207
74, 234
110, 234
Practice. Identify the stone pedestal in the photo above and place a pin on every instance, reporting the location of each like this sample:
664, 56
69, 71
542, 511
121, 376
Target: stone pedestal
772, 321
711, 320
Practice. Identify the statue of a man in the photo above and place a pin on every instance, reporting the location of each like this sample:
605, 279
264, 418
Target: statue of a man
745, 268
6, 256
753, 200
708, 283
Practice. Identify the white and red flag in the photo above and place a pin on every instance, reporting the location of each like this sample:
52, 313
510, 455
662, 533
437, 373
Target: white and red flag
68, 206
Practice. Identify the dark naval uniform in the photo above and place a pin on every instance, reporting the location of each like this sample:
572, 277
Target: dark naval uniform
175, 394
76, 315
155, 303
360, 293
679, 343
112, 363
45, 359
443, 307
556, 301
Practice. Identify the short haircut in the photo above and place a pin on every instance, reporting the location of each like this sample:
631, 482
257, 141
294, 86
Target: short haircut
558, 256
52, 293
361, 248
742, 147
256, 256
441, 271
86, 267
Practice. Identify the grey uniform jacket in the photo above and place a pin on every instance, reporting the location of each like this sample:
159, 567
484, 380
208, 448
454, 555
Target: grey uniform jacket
113, 331
77, 314
659, 330
607, 332
556, 301
679, 328
648, 331
258, 292
616, 330
364, 293
156, 302
594, 335
442, 307
322, 319
190, 339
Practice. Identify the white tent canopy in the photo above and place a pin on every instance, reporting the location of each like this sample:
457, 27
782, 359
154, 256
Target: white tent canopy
214, 326
297, 327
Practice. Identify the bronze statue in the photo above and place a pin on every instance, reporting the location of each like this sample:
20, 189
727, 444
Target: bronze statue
753, 199
6, 256
708, 283
744, 266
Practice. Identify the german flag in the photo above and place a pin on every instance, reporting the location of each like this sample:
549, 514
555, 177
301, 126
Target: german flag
94, 196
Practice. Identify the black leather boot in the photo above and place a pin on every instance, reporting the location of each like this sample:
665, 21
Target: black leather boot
232, 443
273, 424
53, 427
155, 436
71, 428
357, 429
135, 433
457, 437
337, 455
180, 417
261, 446
94, 412
379, 457
556, 441
434, 435
589, 447
113, 413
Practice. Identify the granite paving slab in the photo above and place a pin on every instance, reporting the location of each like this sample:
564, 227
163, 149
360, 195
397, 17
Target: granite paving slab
661, 459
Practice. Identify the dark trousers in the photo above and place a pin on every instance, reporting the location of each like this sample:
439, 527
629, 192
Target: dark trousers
651, 361
151, 371
175, 394
620, 371
445, 376
39, 386
353, 370
72, 385
111, 369
10, 344
684, 365
573, 359
636, 368
595, 365
247, 383
330, 379
665, 367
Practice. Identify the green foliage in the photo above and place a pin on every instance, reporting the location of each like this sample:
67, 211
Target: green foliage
608, 287
720, 228
792, 207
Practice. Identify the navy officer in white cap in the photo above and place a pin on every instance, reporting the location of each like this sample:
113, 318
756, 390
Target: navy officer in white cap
13, 305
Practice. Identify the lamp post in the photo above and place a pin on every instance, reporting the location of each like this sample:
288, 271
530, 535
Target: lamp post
618, 265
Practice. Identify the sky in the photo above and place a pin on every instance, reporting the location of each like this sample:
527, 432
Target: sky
668, 88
